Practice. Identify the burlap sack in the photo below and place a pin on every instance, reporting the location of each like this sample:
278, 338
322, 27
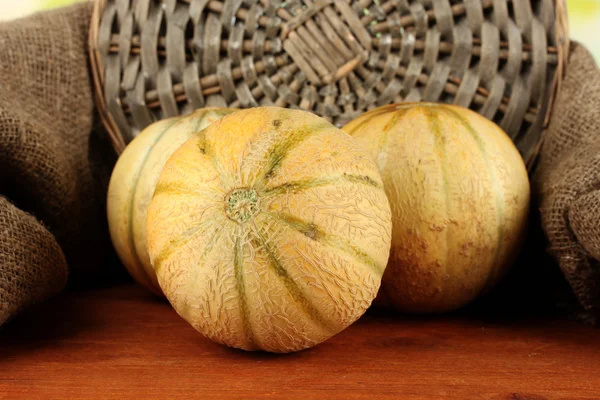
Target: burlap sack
54, 164
568, 180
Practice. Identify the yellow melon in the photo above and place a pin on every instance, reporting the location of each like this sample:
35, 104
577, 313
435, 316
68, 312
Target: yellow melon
459, 194
132, 184
270, 230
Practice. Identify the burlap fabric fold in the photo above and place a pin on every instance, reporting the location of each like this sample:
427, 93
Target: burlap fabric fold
54, 160
567, 180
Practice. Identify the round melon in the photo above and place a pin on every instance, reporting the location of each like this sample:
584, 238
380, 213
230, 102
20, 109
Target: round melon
270, 230
459, 193
132, 184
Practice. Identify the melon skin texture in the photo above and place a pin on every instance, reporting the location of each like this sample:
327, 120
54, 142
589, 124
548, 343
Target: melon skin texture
459, 193
270, 230
132, 184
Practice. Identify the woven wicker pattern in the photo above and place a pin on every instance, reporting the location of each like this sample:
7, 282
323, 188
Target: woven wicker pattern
337, 58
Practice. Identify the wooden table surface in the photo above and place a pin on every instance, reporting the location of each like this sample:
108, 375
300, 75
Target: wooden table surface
123, 343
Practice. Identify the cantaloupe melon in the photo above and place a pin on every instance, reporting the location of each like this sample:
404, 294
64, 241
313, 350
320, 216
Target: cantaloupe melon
459, 194
270, 230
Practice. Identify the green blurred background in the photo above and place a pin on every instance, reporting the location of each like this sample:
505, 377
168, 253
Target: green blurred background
584, 17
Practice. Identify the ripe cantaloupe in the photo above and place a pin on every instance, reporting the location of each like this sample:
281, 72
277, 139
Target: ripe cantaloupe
270, 230
459, 193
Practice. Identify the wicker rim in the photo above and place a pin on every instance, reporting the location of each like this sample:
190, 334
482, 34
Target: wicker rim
563, 45
116, 137
561, 51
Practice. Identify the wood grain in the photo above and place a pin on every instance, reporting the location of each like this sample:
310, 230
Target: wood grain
123, 343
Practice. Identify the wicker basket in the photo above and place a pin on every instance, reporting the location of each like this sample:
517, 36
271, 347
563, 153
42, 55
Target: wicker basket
154, 59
